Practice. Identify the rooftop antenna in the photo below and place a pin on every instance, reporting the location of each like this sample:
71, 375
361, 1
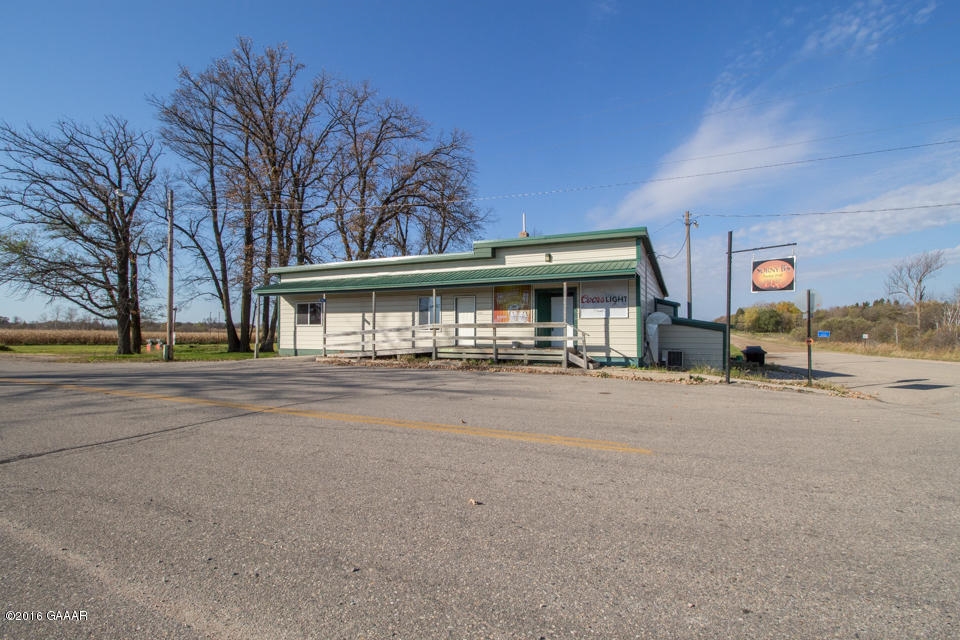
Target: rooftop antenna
523, 231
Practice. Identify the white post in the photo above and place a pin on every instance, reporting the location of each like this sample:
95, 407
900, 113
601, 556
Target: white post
256, 329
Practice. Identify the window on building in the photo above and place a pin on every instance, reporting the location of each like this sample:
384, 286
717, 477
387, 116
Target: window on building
310, 313
426, 313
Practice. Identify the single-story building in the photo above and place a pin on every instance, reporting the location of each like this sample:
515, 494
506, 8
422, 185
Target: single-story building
593, 297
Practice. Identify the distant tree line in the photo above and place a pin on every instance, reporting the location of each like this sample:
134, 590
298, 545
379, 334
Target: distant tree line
275, 168
782, 317
883, 320
919, 322
76, 322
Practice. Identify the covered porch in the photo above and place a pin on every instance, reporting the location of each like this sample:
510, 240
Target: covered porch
524, 313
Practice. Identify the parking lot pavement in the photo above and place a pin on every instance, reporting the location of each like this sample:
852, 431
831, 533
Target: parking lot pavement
284, 499
930, 385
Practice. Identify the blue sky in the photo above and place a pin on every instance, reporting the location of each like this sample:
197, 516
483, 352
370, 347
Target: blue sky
595, 114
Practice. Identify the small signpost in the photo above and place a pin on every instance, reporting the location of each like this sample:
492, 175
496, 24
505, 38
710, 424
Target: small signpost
809, 310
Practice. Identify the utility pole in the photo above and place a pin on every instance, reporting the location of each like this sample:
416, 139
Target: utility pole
726, 343
171, 311
686, 221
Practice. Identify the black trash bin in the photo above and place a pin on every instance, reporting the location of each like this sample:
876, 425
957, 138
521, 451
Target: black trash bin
754, 353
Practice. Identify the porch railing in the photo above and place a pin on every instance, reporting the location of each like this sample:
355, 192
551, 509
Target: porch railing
498, 341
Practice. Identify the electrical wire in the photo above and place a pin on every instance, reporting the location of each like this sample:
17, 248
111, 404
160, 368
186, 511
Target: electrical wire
674, 256
938, 205
773, 165
633, 183
774, 147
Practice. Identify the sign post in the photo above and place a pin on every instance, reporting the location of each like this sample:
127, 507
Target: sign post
783, 279
809, 339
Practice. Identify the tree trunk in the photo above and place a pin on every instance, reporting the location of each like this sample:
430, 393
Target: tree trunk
136, 331
124, 346
246, 287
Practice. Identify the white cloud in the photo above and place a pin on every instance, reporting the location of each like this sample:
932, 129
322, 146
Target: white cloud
703, 170
864, 26
892, 213
605, 8
952, 255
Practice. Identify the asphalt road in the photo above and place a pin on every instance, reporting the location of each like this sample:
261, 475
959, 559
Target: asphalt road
928, 385
284, 499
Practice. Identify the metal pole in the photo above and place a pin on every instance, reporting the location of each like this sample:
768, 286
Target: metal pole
809, 339
168, 352
726, 345
730, 253
686, 221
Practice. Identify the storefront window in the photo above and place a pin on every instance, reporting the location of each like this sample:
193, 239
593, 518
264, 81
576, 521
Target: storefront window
310, 313
426, 313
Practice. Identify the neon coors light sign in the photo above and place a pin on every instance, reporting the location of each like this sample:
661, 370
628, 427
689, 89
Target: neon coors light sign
606, 300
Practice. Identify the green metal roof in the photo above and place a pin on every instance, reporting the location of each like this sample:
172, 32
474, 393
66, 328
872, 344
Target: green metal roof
482, 249
458, 278
607, 234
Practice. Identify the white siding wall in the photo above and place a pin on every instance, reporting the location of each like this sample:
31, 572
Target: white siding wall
614, 338
346, 313
650, 291
596, 251
699, 346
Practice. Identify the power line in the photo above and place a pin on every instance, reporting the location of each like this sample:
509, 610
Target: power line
774, 147
938, 205
633, 183
673, 257
774, 165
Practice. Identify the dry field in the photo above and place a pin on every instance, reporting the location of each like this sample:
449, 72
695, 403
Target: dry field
17, 337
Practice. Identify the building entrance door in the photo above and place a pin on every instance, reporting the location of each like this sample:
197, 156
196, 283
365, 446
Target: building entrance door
466, 313
550, 309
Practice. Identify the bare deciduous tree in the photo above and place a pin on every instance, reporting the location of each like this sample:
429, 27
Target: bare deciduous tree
908, 278
282, 175
256, 148
74, 198
386, 178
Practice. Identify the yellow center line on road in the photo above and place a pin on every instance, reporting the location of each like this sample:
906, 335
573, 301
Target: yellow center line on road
481, 432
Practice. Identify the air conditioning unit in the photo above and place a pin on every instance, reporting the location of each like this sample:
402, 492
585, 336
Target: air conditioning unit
674, 359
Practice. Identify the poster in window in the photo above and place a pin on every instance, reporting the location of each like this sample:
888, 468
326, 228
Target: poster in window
604, 300
512, 304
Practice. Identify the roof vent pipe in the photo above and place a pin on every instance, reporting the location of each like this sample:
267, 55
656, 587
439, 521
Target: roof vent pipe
523, 231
